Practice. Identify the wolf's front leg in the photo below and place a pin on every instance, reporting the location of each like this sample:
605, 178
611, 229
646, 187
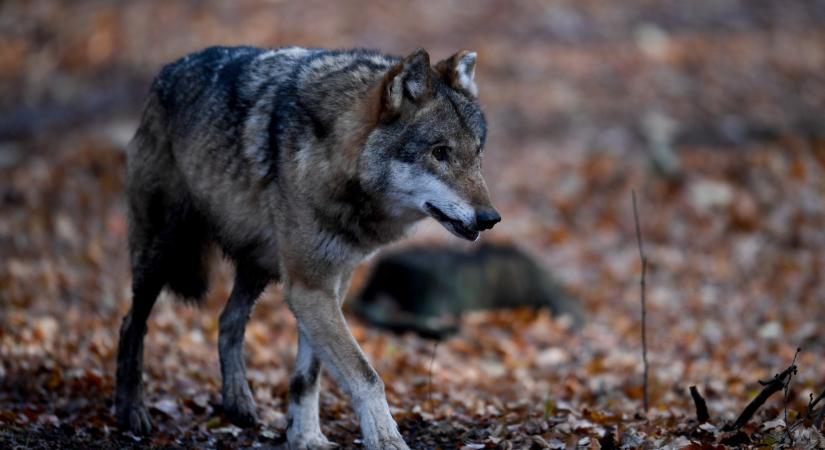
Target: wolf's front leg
303, 427
321, 321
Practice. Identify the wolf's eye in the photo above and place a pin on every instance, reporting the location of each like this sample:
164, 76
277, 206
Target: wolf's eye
441, 153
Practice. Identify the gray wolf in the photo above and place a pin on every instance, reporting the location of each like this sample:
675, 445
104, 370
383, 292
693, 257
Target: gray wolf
427, 289
296, 163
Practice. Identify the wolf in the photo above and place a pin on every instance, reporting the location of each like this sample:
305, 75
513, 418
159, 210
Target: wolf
297, 164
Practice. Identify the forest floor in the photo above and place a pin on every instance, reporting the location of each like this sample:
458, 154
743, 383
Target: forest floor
713, 112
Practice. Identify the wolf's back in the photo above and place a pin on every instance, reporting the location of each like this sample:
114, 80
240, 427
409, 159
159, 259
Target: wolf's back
192, 88
195, 163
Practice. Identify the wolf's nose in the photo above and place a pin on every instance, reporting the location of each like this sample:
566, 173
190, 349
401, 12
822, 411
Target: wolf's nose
487, 218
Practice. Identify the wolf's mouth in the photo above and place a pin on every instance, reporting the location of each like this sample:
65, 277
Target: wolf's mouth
456, 227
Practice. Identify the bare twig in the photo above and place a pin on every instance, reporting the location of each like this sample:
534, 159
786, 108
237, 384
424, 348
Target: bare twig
430, 379
817, 418
812, 403
812, 412
701, 407
787, 389
771, 387
644, 306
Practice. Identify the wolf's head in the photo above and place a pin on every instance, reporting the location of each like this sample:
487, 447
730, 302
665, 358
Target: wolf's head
425, 152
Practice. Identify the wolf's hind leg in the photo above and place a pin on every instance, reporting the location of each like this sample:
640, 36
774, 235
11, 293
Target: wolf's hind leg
237, 397
129, 409
303, 427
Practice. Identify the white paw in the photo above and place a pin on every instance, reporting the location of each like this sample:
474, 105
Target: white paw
379, 429
310, 441
390, 443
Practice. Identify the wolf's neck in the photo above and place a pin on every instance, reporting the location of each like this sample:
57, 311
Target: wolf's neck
357, 216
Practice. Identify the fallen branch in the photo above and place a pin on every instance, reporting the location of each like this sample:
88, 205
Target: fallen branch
644, 308
701, 407
787, 389
771, 387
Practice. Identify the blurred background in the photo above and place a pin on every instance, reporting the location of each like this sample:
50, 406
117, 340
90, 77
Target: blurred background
713, 111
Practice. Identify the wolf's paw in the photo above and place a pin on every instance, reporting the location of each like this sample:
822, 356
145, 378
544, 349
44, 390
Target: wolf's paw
239, 406
387, 439
311, 442
134, 417
393, 443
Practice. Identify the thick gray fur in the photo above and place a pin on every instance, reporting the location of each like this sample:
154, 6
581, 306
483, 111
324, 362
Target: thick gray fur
297, 164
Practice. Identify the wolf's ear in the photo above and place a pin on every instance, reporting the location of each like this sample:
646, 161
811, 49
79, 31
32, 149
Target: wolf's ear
459, 71
409, 80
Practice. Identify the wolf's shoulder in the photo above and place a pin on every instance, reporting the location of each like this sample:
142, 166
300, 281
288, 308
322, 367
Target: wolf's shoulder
323, 62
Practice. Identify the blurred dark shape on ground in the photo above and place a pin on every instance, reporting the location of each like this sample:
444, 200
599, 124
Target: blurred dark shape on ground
427, 289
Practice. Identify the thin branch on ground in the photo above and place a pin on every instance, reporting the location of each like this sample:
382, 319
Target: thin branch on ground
430, 379
701, 407
770, 387
819, 416
812, 403
787, 389
644, 306
812, 412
